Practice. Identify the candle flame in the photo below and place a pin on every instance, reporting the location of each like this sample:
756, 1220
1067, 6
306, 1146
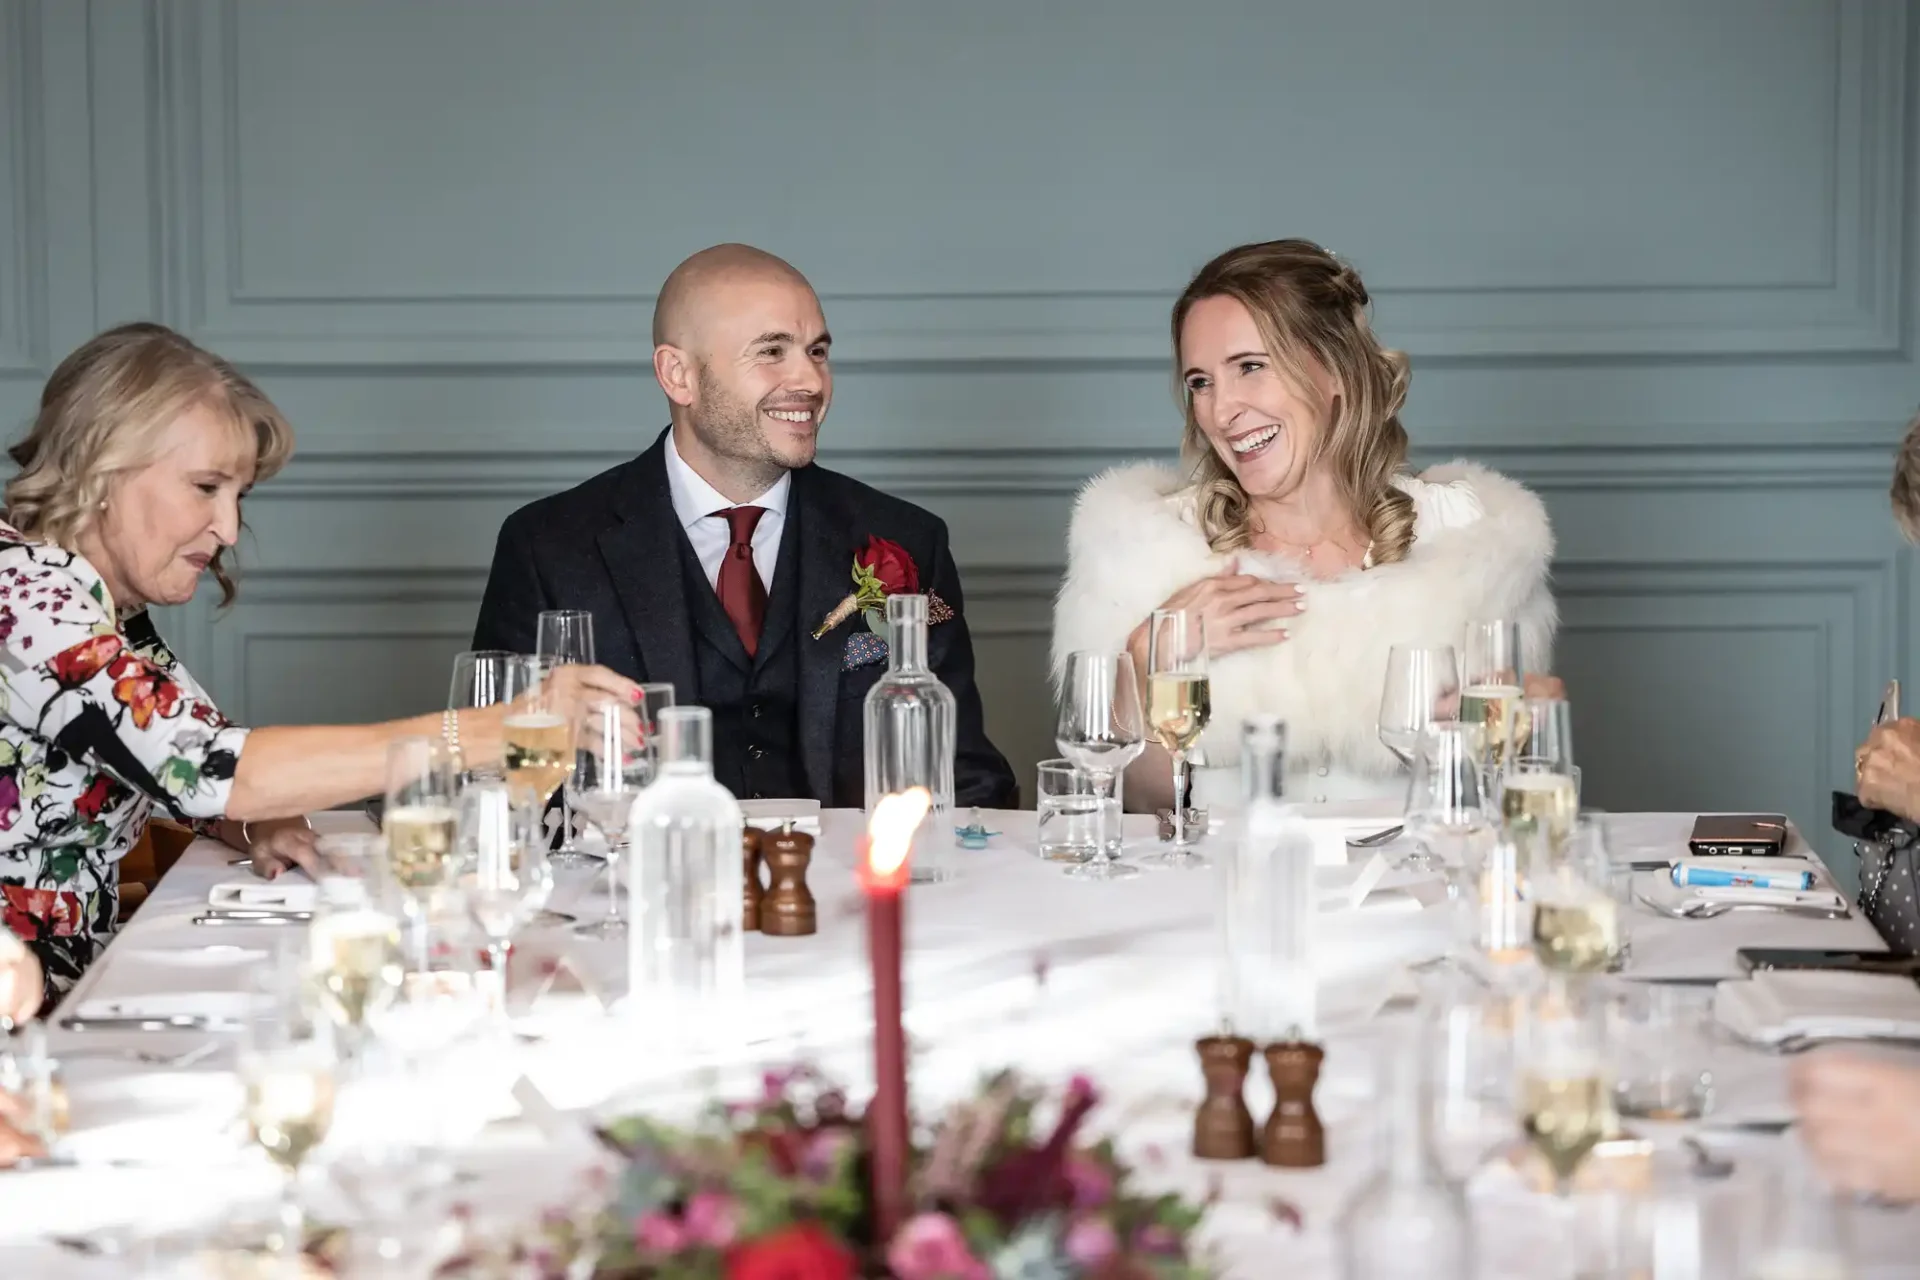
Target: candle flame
890, 830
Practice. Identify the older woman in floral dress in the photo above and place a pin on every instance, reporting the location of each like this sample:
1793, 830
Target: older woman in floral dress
129, 490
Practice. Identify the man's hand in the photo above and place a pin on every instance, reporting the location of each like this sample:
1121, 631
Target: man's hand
1887, 768
1860, 1119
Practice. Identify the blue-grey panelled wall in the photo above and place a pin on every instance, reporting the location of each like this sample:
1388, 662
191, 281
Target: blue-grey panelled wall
1656, 260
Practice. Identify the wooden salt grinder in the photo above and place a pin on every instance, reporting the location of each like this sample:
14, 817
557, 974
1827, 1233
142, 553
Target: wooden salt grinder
1223, 1127
787, 910
1293, 1138
750, 864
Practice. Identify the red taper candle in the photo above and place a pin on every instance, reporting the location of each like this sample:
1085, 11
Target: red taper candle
883, 876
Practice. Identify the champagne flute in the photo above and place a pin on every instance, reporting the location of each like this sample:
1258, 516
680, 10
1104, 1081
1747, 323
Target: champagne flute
1423, 685
1179, 707
1102, 731
510, 881
1566, 1100
1445, 807
564, 637
1491, 687
1539, 791
611, 766
484, 678
418, 820
286, 1068
354, 960
539, 751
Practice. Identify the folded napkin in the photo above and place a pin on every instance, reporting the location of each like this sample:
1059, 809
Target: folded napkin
218, 1006
263, 895
771, 815
1787, 1004
1819, 899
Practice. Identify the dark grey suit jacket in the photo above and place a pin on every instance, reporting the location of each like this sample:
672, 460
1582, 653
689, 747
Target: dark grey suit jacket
609, 546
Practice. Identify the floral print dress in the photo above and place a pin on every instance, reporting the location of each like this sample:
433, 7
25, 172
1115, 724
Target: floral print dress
97, 722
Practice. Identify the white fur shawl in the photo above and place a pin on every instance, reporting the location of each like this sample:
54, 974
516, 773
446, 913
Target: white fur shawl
1481, 549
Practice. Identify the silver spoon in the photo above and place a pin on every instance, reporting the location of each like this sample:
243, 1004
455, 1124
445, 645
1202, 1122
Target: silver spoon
1377, 838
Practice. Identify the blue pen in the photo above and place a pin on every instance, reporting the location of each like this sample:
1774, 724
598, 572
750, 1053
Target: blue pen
1727, 878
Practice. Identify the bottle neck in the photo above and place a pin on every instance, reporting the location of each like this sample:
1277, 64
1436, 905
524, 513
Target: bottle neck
1263, 768
907, 645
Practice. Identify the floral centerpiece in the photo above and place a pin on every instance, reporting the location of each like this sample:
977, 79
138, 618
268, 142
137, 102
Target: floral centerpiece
1005, 1189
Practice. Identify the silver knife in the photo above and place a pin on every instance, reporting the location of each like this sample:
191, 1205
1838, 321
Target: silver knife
249, 920
136, 1022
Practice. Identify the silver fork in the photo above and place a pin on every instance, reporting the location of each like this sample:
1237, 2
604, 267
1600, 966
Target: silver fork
1695, 909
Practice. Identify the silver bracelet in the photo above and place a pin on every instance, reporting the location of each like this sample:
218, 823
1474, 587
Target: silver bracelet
450, 730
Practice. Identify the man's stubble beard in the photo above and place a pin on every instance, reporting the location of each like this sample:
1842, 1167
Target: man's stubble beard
730, 430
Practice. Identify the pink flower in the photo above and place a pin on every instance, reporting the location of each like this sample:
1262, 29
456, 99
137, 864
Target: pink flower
930, 1247
1091, 1242
712, 1218
1157, 1238
659, 1233
1092, 1184
823, 1152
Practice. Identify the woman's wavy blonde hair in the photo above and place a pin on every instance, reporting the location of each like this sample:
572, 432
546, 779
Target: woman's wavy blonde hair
102, 416
1308, 304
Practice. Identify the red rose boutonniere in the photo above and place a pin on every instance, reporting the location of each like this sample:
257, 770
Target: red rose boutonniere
880, 569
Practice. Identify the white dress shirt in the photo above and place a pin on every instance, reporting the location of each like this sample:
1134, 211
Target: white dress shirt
698, 506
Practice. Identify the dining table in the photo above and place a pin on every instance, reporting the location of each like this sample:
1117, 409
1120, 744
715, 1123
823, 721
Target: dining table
1010, 963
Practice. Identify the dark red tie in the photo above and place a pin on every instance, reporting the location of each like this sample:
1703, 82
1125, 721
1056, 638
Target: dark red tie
741, 592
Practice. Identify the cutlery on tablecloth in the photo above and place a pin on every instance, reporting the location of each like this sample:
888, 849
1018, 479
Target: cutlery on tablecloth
144, 1056
154, 1022
1706, 1165
250, 918
1703, 909
1377, 838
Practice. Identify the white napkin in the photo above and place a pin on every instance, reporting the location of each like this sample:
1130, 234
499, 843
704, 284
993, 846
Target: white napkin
771, 815
222, 1006
263, 895
1783, 1004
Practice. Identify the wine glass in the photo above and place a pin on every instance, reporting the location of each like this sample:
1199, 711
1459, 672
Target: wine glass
510, 880
1102, 731
418, 820
1491, 687
1538, 790
1423, 685
1179, 707
354, 959
539, 755
565, 637
1565, 1091
612, 764
287, 1071
1446, 813
484, 678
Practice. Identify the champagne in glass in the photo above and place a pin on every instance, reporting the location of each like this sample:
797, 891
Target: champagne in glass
1101, 730
1422, 686
420, 844
286, 1065
1491, 688
354, 961
289, 1106
1565, 1114
1575, 931
539, 752
485, 678
1536, 797
1179, 705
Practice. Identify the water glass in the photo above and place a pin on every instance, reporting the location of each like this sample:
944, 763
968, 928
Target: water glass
1101, 729
1446, 811
1422, 686
1072, 813
1663, 1051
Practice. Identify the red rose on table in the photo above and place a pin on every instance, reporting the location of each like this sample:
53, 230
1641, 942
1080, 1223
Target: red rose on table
890, 563
803, 1251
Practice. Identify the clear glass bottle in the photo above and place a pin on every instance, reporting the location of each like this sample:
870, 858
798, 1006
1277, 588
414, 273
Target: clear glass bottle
685, 949
1268, 905
1408, 1222
910, 720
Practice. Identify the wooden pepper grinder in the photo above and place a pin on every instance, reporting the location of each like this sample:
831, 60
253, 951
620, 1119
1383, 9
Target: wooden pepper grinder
787, 909
1223, 1127
750, 864
1293, 1138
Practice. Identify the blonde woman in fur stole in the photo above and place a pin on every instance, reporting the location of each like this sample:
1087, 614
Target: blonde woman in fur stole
1296, 529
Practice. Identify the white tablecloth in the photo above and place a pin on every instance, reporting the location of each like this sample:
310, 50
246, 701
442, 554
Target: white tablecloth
1010, 964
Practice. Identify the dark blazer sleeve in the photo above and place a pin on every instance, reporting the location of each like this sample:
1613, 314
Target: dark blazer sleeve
981, 775
510, 609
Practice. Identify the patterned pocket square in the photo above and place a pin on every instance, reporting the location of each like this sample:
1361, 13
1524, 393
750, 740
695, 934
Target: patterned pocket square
863, 649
